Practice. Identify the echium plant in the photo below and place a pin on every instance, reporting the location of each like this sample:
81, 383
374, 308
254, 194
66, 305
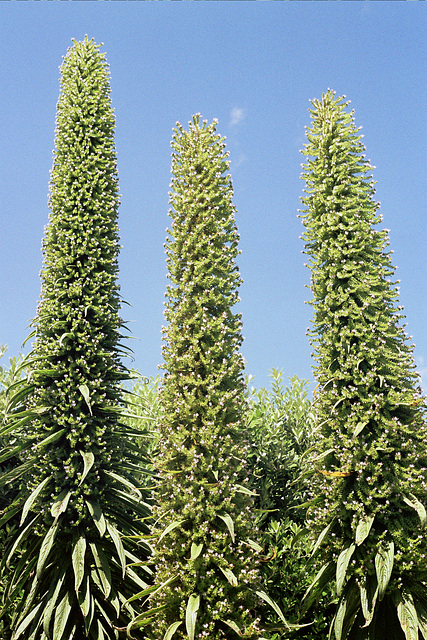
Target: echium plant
373, 483
78, 499
206, 564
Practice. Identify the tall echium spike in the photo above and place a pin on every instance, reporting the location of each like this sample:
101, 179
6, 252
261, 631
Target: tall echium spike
79, 498
204, 511
372, 484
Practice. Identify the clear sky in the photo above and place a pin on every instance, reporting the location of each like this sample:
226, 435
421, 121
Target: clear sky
254, 66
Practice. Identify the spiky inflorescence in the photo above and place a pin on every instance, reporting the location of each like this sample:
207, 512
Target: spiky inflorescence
369, 405
79, 492
202, 450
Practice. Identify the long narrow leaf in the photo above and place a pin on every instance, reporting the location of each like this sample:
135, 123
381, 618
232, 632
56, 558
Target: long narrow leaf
88, 461
97, 515
61, 616
408, 618
383, 567
342, 564
171, 630
32, 498
118, 544
78, 560
46, 546
193, 605
230, 524
60, 503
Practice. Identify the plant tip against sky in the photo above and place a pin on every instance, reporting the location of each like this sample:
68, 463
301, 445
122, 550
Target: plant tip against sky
254, 66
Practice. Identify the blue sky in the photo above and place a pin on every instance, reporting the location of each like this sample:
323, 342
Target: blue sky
254, 66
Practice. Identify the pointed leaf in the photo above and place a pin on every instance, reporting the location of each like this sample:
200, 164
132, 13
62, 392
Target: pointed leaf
85, 597
230, 576
342, 564
383, 567
48, 611
84, 390
27, 620
359, 427
170, 528
191, 615
118, 544
408, 618
31, 499
97, 515
363, 528
368, 599
321, 537
254, 545
46, 546
103, 568
60, 504
61, 617
88, 460
240, 489
196, 550
322, 577
171, 630
230, 524
78, 560
339, 618
418, 506
233, 626
274, 605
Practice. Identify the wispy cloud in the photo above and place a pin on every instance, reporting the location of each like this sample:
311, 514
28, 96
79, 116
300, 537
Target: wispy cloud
236, 116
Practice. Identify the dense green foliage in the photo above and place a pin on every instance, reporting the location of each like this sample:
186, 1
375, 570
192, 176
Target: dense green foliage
282, 434
204, 510
372, 417
78, 497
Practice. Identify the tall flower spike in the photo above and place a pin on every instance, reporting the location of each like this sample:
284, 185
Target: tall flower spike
204, 510
79, 497
372, 484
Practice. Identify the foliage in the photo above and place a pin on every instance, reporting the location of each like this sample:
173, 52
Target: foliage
203, 553
281, 431
78, 497
282, 434
373, 479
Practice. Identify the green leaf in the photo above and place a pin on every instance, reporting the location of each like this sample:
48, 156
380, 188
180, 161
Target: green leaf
78, 560
97, 515
233, 626
103, 568
48, 611
340, 617
84, 390
88, 460
230, 576
85, 597
230, 524
240, 489
274, 606
418, 506
408, 618
191, 615
254, 545
320, 580
358, 429
27, 620
45, 548
342, 564
118, 544
170, 528
61, 616
60, 504
383, 567
368, 599
171, 630
363, 528
321, 537
196, 550
31, 499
